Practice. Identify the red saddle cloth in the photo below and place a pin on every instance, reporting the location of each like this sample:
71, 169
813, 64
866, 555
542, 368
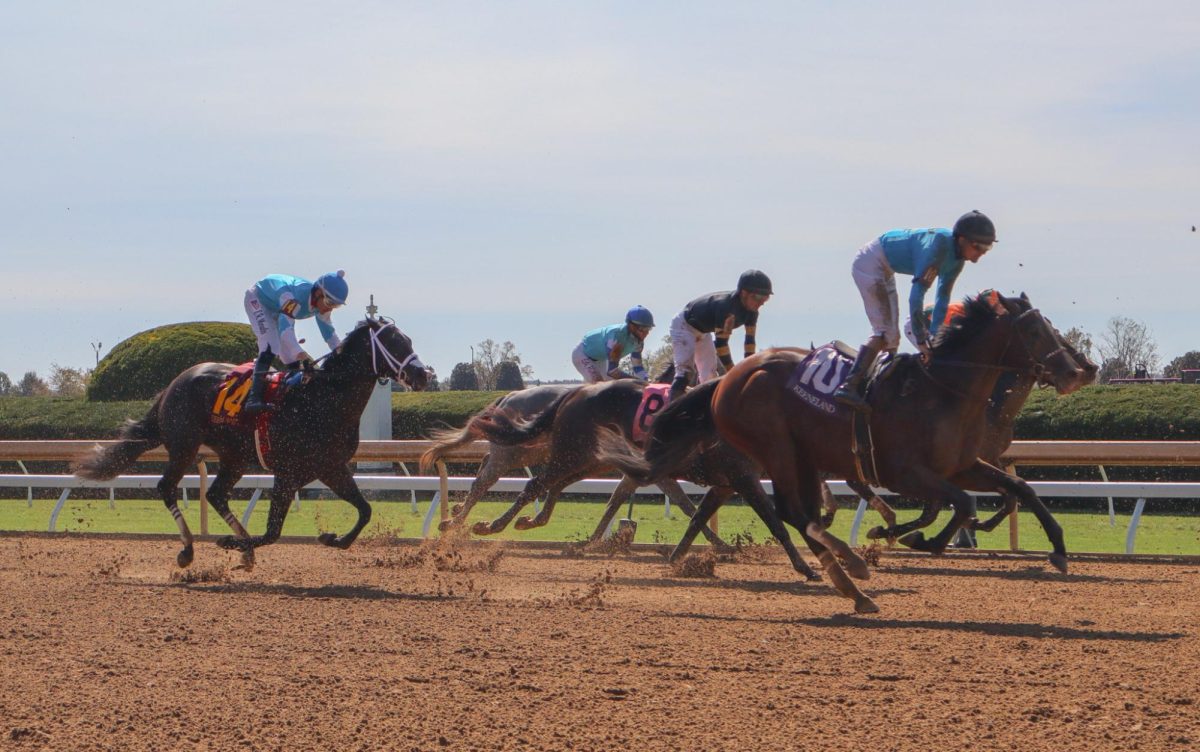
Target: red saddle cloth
227, 407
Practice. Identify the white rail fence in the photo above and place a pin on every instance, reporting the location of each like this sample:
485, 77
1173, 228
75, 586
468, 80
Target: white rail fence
401, 452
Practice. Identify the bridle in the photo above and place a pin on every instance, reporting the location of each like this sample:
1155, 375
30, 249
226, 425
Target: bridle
1034, 364
380, 352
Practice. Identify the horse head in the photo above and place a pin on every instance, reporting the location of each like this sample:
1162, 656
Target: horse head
1054, 362
391, 352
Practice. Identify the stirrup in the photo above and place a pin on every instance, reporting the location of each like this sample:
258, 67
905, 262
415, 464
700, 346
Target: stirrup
852, 398
254, 407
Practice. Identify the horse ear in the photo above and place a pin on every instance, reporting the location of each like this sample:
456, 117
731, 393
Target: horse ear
1025, 298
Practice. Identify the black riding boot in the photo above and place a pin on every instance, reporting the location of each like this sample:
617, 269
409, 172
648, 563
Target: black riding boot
850, 393
254, 401
678, 387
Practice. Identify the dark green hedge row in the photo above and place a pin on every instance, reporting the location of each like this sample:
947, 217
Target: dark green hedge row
1162, 412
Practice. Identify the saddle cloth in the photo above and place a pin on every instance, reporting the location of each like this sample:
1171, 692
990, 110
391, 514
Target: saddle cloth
819, 375
654, 399
227, 407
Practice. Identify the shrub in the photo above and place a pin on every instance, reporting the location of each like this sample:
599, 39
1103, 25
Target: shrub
139, 367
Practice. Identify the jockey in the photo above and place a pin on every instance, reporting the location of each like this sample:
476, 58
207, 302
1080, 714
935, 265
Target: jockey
598, 356
274, 304
928, 255
719, 313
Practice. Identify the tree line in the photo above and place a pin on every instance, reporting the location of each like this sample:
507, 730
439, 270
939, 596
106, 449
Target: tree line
62, 382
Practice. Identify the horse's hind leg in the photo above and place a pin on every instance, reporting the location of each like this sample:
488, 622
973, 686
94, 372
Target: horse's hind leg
533, 489
1008, 506
713, 499
752, 492
554, 490
168, 488
867, 494
672, 489
619, 496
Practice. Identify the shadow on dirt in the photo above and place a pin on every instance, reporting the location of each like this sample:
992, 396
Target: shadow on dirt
1037, 572
348, 592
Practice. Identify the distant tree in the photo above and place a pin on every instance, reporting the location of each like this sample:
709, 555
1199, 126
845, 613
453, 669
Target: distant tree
6, 385
1129, 342
1113, 368
1080, 340
463, 378
508, 376
657, 360
31, 385
68, 382
488, 357
1188, 360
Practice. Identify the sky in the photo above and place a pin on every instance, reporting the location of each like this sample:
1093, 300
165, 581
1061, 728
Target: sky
527, 171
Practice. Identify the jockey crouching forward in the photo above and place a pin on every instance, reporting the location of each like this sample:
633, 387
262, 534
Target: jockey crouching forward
598, 356
718, 313
274, 304
926, 254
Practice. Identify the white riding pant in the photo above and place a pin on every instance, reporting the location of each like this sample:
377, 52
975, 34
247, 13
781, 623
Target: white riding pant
877, 285
693, 350
266, 331
591, 371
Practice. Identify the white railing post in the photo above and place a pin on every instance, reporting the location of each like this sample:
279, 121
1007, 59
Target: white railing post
858, 517
28, 489
62, 499
1133, 524
254, 497
433, 508
1112, 514
412, 493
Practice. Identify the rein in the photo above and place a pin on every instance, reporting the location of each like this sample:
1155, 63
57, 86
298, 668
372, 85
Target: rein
1037, 366
380, 352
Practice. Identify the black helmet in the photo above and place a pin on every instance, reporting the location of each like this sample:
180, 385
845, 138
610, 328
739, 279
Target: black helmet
754, 281
974, 225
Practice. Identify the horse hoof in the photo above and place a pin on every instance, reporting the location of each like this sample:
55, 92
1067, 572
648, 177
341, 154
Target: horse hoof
814, 577
327, 539
446, 526
525, 523
865, 605
857, 568
915, 540
229, 543
482, 528
456, 510
184, 558
1059, 561
876, 533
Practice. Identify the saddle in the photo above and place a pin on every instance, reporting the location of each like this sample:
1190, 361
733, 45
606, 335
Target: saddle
227, 407
819, 375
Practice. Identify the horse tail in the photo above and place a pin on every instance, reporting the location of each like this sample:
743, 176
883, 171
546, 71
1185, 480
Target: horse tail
678, 432
136, 438
497, 424
449, 439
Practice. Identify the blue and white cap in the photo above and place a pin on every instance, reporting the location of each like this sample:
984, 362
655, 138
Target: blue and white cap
334, 286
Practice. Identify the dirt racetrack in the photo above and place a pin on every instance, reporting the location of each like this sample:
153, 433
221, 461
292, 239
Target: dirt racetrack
479, 647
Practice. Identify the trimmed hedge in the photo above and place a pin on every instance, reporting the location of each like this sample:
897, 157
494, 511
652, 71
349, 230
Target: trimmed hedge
141, 366
1135, 412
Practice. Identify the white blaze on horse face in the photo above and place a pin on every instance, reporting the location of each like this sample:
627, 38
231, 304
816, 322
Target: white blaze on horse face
821, 373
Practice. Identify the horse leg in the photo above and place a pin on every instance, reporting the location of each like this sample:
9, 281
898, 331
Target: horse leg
713, 499
925, 484
790, 482
281, 502
533, 489
341, 481
750, 490
168, 488
1007, 507
671, 488
928, 515
218, 499
829, 504
985, 477
554, 490
491, 470
867, 494
619, 496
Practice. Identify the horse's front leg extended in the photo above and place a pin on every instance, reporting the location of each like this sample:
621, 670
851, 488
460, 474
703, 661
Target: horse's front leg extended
619, 496
929, 513
674, 491
533, 489
489, 473
925, 484
1008, 505
713, 499
341, 482
984, 477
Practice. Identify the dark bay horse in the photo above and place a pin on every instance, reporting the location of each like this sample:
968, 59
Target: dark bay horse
522, 406
313, 435
927, 422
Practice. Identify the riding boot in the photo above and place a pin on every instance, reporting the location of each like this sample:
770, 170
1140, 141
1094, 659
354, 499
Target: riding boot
254, 403
678, 387
850, 393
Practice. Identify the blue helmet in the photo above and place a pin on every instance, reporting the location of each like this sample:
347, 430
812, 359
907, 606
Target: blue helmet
640, 316
334, 286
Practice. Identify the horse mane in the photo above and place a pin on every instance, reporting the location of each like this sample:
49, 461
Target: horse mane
978, 313
334, 358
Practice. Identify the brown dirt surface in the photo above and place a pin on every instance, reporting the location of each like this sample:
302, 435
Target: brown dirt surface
473, 646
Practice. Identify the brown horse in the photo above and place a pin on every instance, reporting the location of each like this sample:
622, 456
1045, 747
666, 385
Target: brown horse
927, 422
523, 405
